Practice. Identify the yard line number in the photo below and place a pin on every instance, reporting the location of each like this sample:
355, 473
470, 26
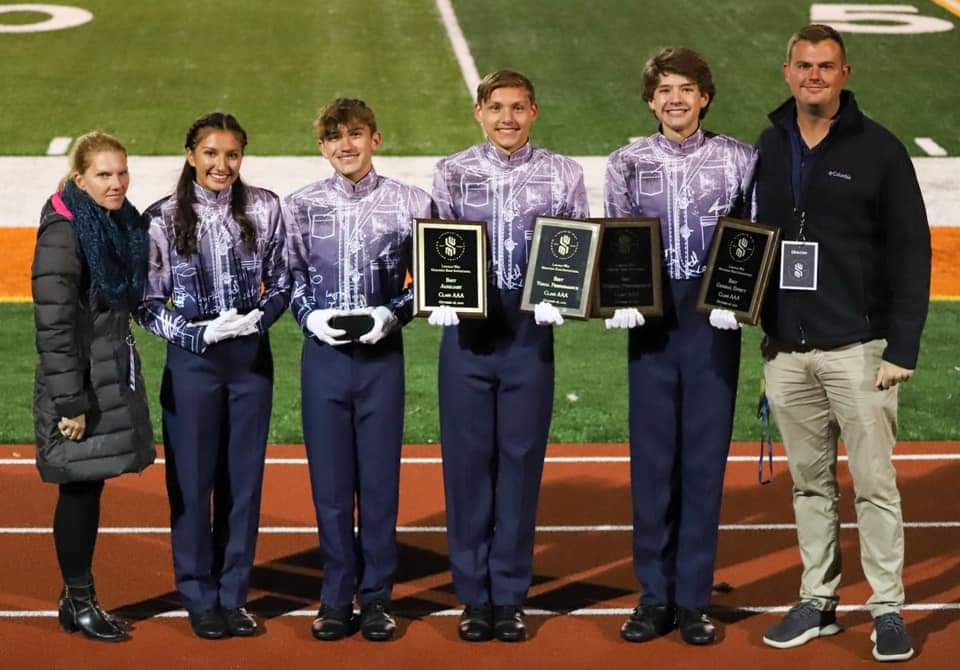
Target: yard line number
889, 19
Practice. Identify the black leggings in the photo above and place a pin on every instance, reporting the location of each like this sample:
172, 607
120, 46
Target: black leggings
75, 524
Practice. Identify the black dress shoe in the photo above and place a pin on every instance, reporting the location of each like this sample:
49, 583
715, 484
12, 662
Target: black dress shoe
239, 621
333, 623
509, 624
695, 627
78, 610
376, 622
648, 622
209, 624
476, 623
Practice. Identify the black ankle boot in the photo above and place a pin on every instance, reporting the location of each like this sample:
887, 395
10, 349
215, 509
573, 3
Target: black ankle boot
80, 611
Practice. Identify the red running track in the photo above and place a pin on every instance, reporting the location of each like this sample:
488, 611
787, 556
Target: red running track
582, 566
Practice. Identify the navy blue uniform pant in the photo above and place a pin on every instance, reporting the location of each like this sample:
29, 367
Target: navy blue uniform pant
683, 383
216, 414
353, 429
495, 409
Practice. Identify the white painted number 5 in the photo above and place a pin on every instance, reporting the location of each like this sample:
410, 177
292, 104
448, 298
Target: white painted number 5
902, 19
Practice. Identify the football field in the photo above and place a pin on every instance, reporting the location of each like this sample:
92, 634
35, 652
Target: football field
145, 69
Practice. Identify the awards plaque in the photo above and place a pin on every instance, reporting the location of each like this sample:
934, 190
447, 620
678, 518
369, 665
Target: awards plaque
630, 267
562, 266
450, 267
738, 268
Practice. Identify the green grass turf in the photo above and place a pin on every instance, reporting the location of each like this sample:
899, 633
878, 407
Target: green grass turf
591, 366
587, 65
146, 71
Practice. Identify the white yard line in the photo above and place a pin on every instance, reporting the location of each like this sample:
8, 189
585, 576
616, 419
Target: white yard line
429, 530
58, 146
931, 147
531, 611
460, 47
430, 460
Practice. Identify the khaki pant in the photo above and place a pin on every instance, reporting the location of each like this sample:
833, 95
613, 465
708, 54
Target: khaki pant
816, 397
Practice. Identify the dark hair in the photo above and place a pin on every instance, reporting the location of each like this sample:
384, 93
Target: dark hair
684, 62
503, 79
343, 111
185, 221
813, 33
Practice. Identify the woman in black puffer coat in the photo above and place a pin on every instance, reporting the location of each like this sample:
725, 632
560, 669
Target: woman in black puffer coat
89, 406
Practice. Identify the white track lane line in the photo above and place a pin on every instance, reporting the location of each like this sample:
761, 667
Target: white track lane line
597, 528
430, 460
460, 47
583, 612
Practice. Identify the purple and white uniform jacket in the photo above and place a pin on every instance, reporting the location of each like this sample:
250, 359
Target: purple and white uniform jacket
688, 186
508, 192
351, 244
223, 274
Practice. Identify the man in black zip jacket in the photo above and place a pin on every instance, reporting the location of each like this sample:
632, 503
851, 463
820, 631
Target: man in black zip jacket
843, 323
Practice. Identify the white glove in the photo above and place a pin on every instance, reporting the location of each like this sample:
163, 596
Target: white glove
318, 323
383, 322
443, 316
546, 314
249, 323
723, 319
224, 327
629, 317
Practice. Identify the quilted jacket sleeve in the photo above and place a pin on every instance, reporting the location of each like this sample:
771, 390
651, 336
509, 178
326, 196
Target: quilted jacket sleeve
56, 281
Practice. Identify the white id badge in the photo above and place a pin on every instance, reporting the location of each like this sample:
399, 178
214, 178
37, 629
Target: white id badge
799, 265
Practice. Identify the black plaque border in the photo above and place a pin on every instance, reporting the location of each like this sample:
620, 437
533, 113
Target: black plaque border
751, 317
656, 264
475, 228
596, 236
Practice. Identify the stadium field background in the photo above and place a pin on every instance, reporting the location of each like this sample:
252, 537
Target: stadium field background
146, 70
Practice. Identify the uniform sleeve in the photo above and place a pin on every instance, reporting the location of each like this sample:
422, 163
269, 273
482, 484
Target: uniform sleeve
154, 314
276, 269
55, 279
402, 305
616, 198
904, 218
298, 258
578, 207
745, 206
442, 197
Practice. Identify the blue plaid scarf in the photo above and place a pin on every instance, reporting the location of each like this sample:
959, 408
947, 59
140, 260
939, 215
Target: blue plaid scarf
115, 245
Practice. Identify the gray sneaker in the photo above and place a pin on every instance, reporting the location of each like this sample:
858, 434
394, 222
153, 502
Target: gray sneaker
801, 624
891, 642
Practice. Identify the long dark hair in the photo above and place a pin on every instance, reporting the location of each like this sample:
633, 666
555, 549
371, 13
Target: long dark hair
185, 222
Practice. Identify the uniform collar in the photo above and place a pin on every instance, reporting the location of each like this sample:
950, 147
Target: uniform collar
361, 189
688, 146
503, 159
207, 197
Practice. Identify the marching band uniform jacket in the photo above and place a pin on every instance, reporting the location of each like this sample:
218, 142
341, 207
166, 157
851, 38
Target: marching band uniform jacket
351, 244
223, 274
